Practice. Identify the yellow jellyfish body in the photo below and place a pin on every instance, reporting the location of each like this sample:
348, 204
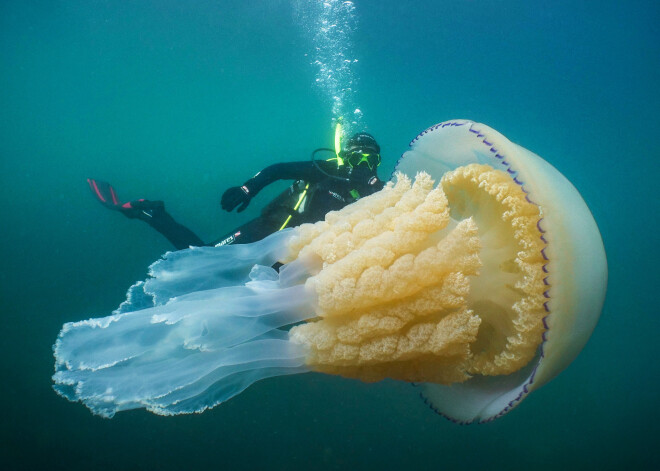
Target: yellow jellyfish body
408, 293
478, 273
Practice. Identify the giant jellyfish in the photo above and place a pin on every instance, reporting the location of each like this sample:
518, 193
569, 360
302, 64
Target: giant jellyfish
478, 274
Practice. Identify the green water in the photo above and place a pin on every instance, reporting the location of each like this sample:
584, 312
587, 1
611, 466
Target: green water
180, 100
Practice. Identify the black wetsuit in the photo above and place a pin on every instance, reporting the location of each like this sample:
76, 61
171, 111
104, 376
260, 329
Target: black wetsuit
179, 235
325, 188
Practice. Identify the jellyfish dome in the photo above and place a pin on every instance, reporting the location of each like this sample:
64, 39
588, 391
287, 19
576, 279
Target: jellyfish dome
477, 273
574, 270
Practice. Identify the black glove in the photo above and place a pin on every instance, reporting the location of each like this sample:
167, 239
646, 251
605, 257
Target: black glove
234, 196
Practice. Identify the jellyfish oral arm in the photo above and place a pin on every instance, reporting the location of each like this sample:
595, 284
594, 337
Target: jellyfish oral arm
191, 351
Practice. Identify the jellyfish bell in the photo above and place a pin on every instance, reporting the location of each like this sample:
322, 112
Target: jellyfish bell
474, 288
576, 267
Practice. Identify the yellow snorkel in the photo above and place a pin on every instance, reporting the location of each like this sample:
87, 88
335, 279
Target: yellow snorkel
338, 132
340, 162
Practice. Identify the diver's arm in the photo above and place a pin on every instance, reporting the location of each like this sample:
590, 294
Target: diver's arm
240, 196
306, 170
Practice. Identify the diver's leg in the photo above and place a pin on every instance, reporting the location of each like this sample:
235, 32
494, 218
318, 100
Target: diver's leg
154, 214
151, 212
251, 231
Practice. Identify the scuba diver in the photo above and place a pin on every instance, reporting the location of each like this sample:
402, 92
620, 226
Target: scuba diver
319, 186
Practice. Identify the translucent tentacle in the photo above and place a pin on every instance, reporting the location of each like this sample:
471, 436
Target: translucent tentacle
203, 268
206, 343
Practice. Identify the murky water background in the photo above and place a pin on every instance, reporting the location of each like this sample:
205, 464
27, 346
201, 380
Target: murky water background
179, 100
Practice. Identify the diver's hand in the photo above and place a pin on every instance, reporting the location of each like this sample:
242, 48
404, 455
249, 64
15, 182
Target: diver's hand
234, 196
